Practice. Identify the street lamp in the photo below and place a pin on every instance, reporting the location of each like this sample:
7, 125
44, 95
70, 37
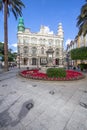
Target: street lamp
37, 61
67, 57
19, 60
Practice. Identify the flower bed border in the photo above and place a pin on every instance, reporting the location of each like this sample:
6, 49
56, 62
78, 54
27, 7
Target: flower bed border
29, 76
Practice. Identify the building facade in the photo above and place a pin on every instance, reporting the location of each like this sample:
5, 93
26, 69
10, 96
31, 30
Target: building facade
78, 42
41, 48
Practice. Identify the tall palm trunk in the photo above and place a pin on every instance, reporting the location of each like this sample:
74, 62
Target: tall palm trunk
5, 36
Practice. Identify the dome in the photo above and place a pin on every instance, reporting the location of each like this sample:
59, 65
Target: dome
21, 24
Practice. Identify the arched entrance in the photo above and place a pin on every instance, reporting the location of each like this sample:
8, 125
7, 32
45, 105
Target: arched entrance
34, 61
57, 61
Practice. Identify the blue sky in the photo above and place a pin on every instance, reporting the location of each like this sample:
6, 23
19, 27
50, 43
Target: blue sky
48, 13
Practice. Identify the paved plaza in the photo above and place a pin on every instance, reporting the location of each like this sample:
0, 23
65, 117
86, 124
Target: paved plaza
27, 104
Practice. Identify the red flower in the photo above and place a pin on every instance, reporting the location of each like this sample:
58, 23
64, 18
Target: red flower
35, 74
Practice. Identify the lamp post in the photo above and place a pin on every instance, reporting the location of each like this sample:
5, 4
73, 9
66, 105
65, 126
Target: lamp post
37, 61
68, 60
19, 60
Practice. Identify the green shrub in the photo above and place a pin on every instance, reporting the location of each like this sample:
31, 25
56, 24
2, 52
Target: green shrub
56, 72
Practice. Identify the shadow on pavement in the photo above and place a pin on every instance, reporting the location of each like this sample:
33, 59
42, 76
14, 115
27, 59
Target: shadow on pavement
6, 119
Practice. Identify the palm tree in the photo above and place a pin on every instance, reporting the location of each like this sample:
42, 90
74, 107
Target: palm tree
82, 20
14, 6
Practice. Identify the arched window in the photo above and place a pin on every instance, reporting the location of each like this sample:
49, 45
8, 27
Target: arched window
40, 41
25, 49
50, 42
34, 40
26, 40
57, 51
57, 42
34, 51
42, 50
20, 40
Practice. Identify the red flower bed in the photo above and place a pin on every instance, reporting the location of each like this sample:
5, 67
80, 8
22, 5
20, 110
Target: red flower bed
35, 74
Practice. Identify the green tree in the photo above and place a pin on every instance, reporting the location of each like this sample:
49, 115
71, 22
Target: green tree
2, 50
11, 55
82, 20
14, 6
79, 53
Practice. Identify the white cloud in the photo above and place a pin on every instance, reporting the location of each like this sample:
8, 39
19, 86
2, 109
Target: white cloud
14, 45
68, 41
15, 50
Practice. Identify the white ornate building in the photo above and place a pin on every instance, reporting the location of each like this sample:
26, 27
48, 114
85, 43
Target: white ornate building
41, 48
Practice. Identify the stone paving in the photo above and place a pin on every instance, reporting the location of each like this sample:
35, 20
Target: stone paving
42, 105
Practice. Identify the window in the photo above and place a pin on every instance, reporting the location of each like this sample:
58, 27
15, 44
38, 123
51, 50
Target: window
34, 40
43, 61
57, 42
34, 50
25, 50
26, 40
40, 41
57, 51
42, 50
20, 40
50, 43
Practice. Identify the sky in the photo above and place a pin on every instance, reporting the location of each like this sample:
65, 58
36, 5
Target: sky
45, 12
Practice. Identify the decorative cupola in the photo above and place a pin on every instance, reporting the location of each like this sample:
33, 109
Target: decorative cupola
60, 30
21, 26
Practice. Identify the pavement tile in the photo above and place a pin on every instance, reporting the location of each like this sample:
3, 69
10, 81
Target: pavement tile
56, 104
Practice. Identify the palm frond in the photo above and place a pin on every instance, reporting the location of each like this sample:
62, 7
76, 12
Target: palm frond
82, 20
16, 7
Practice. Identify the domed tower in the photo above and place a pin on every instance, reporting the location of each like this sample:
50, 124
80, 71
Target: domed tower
60, 31
21, 26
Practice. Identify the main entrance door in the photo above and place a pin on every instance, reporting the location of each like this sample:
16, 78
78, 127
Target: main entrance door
57, 61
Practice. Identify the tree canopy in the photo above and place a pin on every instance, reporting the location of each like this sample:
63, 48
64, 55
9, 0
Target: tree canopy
11, 55
79, 53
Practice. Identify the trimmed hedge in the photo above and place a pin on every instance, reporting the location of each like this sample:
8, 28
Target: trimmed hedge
56, 72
